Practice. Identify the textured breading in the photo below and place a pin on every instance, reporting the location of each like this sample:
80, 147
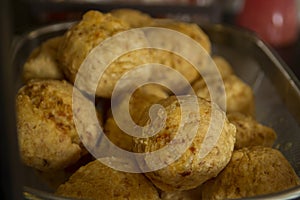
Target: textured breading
239, 96
190, 29
252, 171
223, 66
47, 135
251, 133
176, 62
192, 168
134, 18
173, 60
94, 28
42, 62
97, 181
141, 100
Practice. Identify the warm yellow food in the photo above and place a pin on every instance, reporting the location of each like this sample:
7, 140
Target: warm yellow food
141, 100
78, 42
95, 27
97, 181
252, 171
181, 63
42, 62
230, 155
239, 96
134, 18
192, 168
190, 29
223, 66
251, 133
47, 135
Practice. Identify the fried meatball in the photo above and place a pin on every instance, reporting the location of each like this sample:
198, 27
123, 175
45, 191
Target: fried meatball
97, 181
252, 171
176, 62
192, 167
42, 62
190, 29
47, 135
94, 28
141, 100
134, 18
239, 96
223, 66
179, 62
251, 133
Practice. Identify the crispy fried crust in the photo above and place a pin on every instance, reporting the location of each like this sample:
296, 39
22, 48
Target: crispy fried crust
190, 29
97, 181
93, 29
239, 96
252, 171
141, 100
134, 18
42, 62
192, 168
251, 133
47, 136
179, 62
81, 38
223, 66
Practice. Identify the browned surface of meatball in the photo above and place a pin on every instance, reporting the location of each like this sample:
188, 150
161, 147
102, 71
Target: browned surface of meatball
223, 66
252, 171
47, 135
192, 168
239, 96
97, 181
134, 18
42, 62
251, 133
141, 100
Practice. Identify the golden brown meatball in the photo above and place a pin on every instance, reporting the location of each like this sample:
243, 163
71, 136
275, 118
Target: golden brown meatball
176, 62
42, 62
141, 100
179, 62
192, 168
239, 96
190, 29
134, 18
223, 65
252, 171
78, 42
47, 135
95, 27
251, 133
97, 181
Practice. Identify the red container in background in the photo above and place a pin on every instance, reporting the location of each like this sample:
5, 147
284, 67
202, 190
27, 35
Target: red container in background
274, 21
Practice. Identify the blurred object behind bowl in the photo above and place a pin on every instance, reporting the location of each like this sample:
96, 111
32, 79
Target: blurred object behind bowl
275, 23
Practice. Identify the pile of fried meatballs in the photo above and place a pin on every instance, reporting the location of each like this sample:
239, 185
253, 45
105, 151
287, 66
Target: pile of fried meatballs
242, 162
